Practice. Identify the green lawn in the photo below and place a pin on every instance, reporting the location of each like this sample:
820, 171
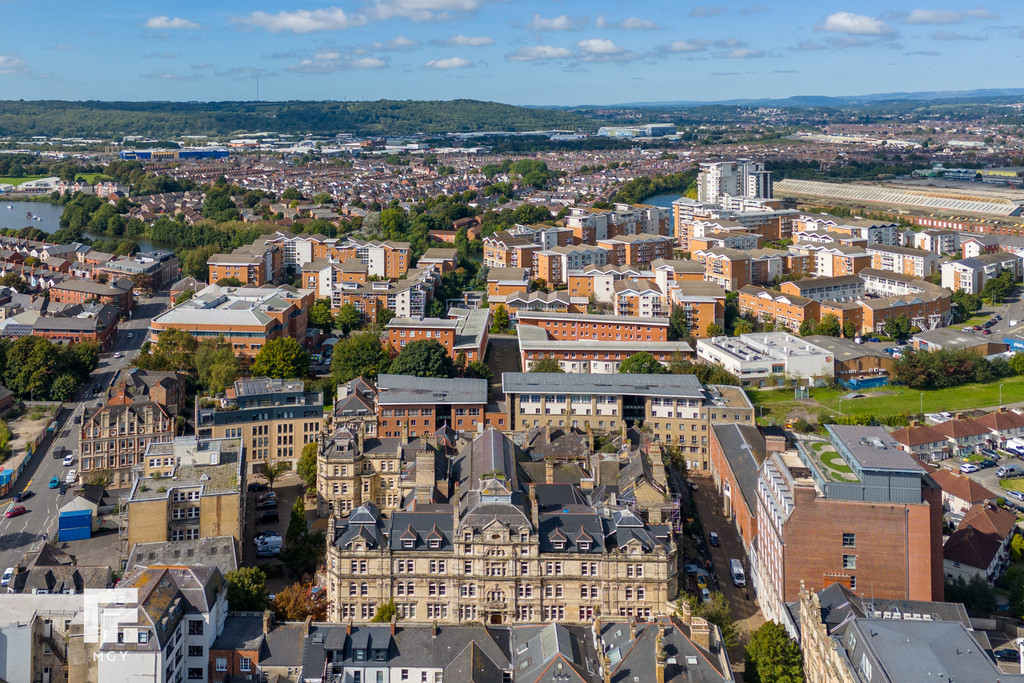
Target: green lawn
89, 178
890, 400
1016, 484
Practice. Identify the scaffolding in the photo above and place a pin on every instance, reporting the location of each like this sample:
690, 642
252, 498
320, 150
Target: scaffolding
675, 516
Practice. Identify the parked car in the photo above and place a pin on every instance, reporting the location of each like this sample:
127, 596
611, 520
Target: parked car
1007, 655
15, 511
259, 537
969, 467
1017, 495
705, 595
986, 331
1007, 471
54, 482
257, 486
270, 517
22, 495
270, 504
713, 539
7, 577
702, 581
63, 489
874, 340
58, 452
268, 551
68, 460
691, 569
117, 354
71, 476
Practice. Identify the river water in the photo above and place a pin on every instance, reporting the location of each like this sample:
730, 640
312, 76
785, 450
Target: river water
49, 220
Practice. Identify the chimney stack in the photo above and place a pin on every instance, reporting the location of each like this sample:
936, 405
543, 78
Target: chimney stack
394, 620
549, 470
659, 659
534, 505
700, 633
268, 621
632, 628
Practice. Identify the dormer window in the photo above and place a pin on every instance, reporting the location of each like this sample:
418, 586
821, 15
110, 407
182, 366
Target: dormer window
359, 655
434, 543
408, 543
559, 545
584, 545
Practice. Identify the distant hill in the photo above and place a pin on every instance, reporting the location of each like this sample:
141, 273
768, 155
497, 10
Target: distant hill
172, 119
840, 101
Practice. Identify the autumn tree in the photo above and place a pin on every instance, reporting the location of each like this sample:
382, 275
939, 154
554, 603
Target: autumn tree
297, 602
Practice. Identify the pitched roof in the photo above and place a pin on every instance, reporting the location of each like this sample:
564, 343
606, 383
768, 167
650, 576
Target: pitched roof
989, 519
971, 547
960, 486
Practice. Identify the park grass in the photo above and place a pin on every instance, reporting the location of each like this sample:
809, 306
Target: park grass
18, 180
1015, 484
889, 400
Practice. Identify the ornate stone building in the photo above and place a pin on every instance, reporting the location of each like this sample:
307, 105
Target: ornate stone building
499, 554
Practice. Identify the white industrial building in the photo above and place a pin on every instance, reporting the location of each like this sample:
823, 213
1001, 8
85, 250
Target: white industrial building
754, 357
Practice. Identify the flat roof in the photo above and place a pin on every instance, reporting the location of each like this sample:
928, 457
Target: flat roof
873, 448
569, 383
405, 389
595, 318
535, 338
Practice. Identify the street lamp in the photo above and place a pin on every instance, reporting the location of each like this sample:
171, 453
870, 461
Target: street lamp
840, 406
922, 403
1000, 395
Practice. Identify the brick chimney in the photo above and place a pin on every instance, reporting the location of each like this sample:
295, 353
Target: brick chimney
534, 505
700, 633
549, 470
632, 628
268, 621
424, 475
659, 659
394, 620
685, 613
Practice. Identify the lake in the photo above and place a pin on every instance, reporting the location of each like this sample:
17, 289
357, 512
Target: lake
664, 200
49, 220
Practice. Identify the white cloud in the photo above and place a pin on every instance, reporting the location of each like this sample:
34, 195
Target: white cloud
11, 64
705, 11
688, 45
165, 76
629, 24
741, 53
753, 9
450, 63
855, 24
328, 62
326, 56
559, 23
302, 20
533, 53
938, 16
368, 63
166, 23
600, 46
468, 41
423, 10
396, 43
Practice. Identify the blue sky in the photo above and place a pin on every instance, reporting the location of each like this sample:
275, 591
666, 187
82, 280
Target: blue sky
550, 52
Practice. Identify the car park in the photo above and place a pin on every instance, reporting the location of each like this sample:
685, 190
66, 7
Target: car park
15, 511
969, 468
7, 577
713, 539
54, 482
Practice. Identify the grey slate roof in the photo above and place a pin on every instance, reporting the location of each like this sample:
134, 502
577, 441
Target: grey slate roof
744, 448
406, 389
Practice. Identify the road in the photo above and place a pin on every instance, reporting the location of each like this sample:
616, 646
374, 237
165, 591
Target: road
18, 534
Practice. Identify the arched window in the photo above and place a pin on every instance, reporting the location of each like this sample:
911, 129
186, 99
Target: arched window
640, 593
352, 589
364, 588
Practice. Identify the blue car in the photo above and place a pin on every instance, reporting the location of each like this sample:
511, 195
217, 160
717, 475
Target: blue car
55, 482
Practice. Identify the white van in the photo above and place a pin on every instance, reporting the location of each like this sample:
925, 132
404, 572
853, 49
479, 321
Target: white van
739, 577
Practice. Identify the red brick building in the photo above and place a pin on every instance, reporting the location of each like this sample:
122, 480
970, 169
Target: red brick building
736, 453
117, 293
418, 406
597, 327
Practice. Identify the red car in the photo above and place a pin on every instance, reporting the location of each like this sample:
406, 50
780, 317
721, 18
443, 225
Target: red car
16, 511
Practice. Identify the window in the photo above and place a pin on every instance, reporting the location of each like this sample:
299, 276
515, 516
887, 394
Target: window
245, 664
849, 561
222, 663
195, 673
195, 650
849, 540
195, 627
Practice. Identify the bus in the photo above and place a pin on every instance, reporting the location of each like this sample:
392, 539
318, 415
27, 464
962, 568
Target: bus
739, 578
52, 427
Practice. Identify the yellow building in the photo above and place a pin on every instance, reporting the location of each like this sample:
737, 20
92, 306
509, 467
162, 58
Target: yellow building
190, 488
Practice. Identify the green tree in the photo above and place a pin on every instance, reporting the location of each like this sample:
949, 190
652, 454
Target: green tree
323, 198
677, 325
349, 319
183, 297
174, 350
281, 358
742, 327
898, 327
772, 656
849, 329
807, 327
291, 193
717, 612
714, 330
229, 282
641, 363
829, 326
478, 370
969, 302
64, 387
546, 364
385, 611
1017, 547
501, 322
298, 527
1017, 363
247, 590
272, 472
359, 355
216, 365
306, 466
976, 595
423, 358
320, 315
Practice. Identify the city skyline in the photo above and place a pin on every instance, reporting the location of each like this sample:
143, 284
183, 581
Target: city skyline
557, 53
